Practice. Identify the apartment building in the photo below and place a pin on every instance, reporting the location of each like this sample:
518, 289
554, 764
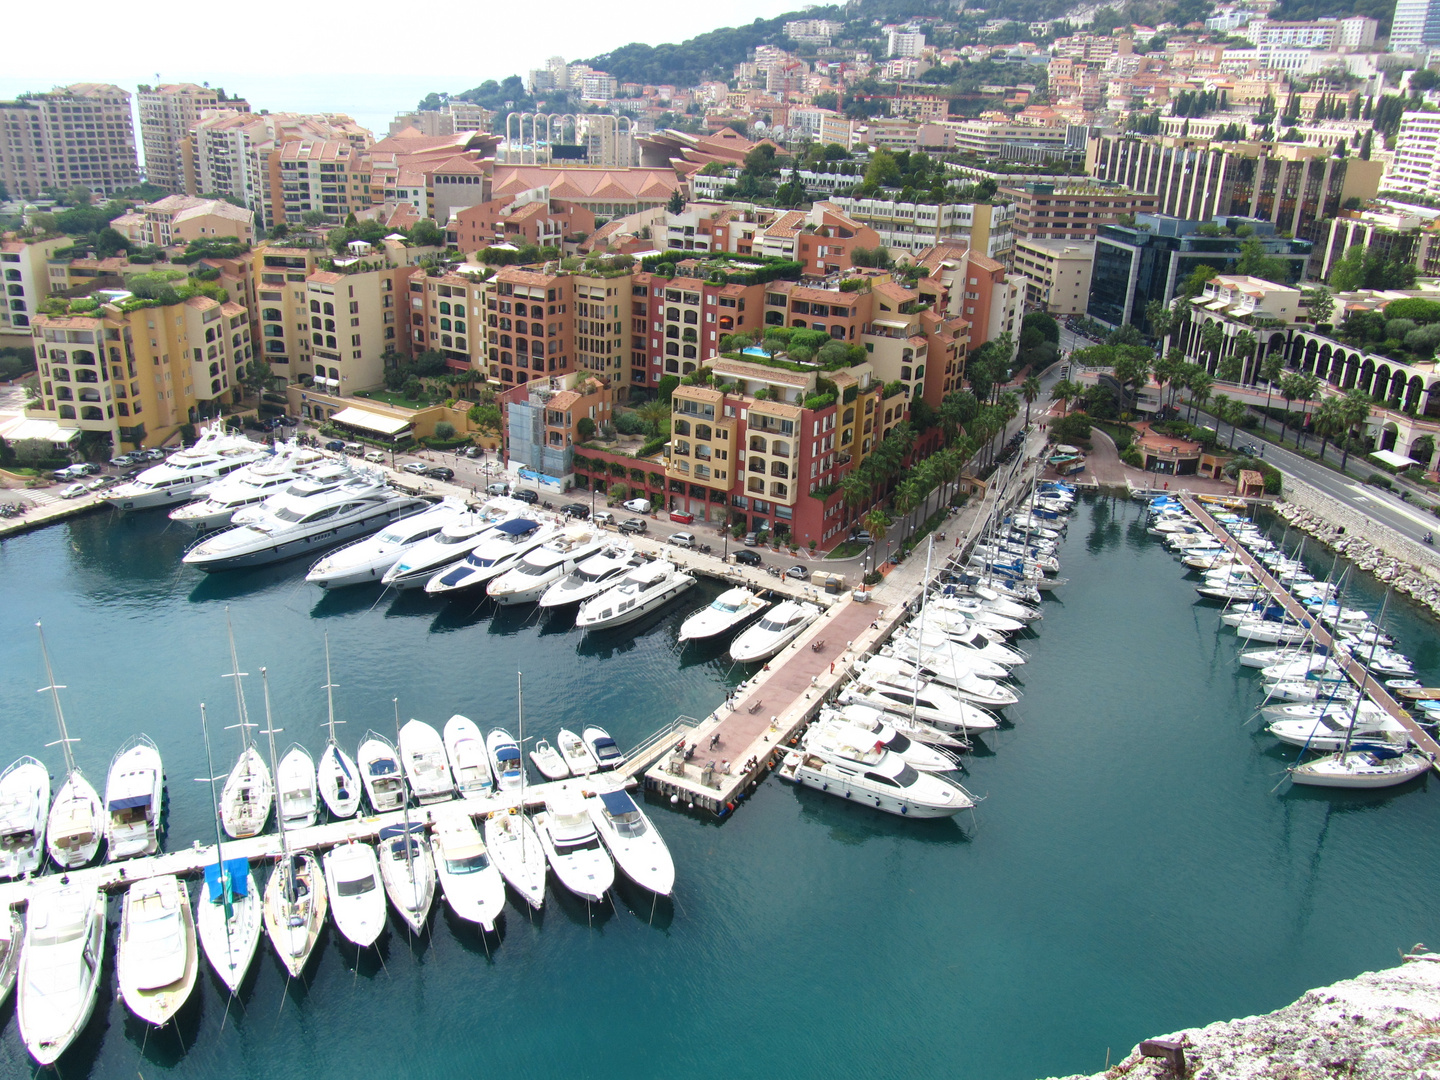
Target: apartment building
80, 135
542, 422
167, 114
1395, 237
1297, 188
1071, 211
530, 323
356, 319
1055, 274
977, 289
991, 138
281, 313
24, 267
914, 227
534, 218
447, 315
1416, 25
904, 43
138, 370
179, 219
328, 176
1415, 167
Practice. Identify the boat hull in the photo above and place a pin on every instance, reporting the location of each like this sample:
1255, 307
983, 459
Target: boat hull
284, 549
230, 944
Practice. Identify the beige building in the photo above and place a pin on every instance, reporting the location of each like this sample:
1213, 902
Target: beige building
1055, 274
167, 113
27, 284
78, 135
179, 219
282, 315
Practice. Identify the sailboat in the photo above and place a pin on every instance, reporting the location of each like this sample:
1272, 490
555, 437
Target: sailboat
77, 816
406, 867
247, 795
228, 918
336, 774
513, 842
295, 901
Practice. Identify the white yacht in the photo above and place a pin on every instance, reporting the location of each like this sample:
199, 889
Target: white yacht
133, 793
422, 753
60, 965
299, 525
978, 608
573, 847
776, 629
12, 936
473, 887
924, 700
24, 805
215, 454
380, 769
76, 823
454, 541
939, 654
576, 755
1263, 658
728, 611
1310, 689
961, 682
316, 480
637, 593
836, 734
299, 794
505, 762
469, 760
408, 872
1366, 710
254, 483
229, 925
515, 847
1363, 766
499, 550
607, 753
548, 760
295, 907
339, 780
876, 719
970, 643
638, 848
364, 561
1272, 631
1327, 732
157, 958
546, 565
947, 619
591, 576
352, 880
876, 778
248, 794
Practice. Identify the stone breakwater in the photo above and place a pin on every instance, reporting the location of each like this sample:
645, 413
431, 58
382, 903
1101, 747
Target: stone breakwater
1380, 1025
1412, 568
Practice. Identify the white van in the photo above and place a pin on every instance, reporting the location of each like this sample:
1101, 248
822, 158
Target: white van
498, 489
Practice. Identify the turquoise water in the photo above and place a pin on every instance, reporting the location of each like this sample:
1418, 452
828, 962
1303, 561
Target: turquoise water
1130, 871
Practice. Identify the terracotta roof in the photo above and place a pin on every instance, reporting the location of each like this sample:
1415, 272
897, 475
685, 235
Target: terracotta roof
583, 184
324, 277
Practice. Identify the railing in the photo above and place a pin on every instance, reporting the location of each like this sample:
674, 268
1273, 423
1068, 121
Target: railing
639, 758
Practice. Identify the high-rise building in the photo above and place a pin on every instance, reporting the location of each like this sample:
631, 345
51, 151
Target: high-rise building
1073, 211
73, 136
904, 43
1416, 25
1415, 168
1055, 274
167, 114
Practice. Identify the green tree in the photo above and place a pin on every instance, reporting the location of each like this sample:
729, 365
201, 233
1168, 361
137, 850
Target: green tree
654, 413
585, 428
1242, 352
1291, 388
312, 218
1160, 319
486, 417
1195, 284
425, 233
1200, 385
444, 431
1065, 391
259, 376
1272, 370
1354, 411
1349, 273
1030, 391
1329, 421
1257, 263
676, 205
1320, 303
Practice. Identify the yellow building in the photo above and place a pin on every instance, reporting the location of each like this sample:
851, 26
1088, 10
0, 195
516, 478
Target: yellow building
282, 316
23, 265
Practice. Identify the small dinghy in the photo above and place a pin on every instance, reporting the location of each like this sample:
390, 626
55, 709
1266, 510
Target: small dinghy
548, 760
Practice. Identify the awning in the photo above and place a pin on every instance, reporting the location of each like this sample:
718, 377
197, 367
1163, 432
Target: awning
1394, 460
618, 803
386, 425
130, 803
26, 427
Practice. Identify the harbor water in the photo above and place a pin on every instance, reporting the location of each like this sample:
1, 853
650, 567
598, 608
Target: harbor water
1131, 870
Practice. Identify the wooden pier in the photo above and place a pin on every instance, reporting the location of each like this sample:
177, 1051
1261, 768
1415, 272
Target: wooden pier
1366, 682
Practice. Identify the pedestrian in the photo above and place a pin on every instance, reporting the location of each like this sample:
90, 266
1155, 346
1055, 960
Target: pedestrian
832, 667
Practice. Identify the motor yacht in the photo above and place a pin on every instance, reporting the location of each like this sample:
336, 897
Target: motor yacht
1032, 560
938, 653
572, 846
76, 822
964, 684
248, 793
380, 769
221, 499
592, 576
776, 629
299, 792
945, 620
295, 907
835, 734
24, 806
1327, 733
1365, 765
635, 844
302, 524
541, 567
453, 542
408, 872
364, 561
606, 752
498, 551
422, 754
974, 607
12, 937
505, 763
60, 965
357, 901
133, 793
228, 919
473, 886
577, 756
922, 699
640, 591
730, 610
876, 718
548, 760
515, 847
316, 480
968, 643
1314, 710
881, 780
469, 760
176, 479
157, 958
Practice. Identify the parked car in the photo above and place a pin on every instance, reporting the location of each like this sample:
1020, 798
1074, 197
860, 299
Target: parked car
681, 539
526, 497
1250, 450
123, 460
747, 557
682, 517
579, 511
860, 536
752, 539
74, 491
288, 421
336, 445
498, 489
415, 468
637, 506
633, 525
69, 472
605, 517
355, 448
440, 472
798, 572
474, 452
375, 457
97, 483
153, 454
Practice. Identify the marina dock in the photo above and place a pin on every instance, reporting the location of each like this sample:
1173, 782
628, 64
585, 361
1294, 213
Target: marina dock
1363, 680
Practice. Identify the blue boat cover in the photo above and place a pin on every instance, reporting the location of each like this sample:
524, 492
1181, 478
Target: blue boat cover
618, 803
239, 871
507, 753
383, 767
399, 830
606, 743
340, 760
130, 803
517, 526
1380, 753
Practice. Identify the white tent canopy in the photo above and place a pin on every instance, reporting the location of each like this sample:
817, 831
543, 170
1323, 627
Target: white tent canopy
370, 421
30, 428
1394, 460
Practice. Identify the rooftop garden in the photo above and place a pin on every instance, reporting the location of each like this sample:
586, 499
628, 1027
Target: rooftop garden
792, 349
724, 269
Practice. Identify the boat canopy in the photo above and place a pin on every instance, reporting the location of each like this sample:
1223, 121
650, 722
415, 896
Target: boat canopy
517, 526
383, 767
130, 802
605, 746
507, 753
239, 871
390, 831
618, 803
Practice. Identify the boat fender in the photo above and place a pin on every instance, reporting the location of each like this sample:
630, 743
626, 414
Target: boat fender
729, 806
847, 794
674, 799
824, 787
904, 809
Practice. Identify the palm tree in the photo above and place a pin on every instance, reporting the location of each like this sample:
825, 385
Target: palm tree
1290, 389
1064, 392
877, 522
1329, 420
1272, 369
1307, 390
1160, 318
654, 413
1212, 339
1200, 384
908, 496
1355, 410
1235, 413
1243, 346
1029, 390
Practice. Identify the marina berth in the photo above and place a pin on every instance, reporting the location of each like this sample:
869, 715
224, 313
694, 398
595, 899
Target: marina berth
572, 846
775, 629
469, 760
591, 576
453, 542
24, 807
473, 886
638, 592
215, 454
545, 565
221, 499
600, 744
133, 793
513, 844
352, 883
497, 551
60, 966
299, 792
408, 872
728, 611
157, 958
362, 562
380, 768
422, 753
633, 841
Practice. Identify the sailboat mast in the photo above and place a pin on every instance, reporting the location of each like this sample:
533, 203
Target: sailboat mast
55, 697
330, 693
239, 691
289, 882
520, 700
920, 645
404, 804
226, 888
1360, 690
